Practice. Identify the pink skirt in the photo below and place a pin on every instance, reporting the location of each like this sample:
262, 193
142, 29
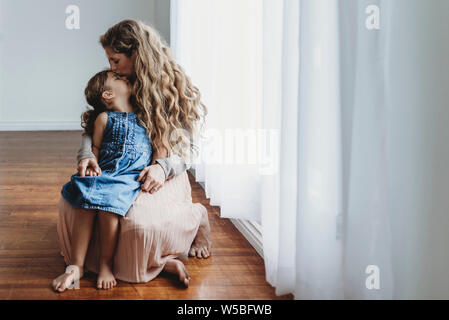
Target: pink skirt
157, 227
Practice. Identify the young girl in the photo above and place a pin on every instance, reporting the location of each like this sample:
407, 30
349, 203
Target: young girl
167, 101
123, 150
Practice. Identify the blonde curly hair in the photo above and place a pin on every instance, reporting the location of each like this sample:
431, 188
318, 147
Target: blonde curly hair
166, 99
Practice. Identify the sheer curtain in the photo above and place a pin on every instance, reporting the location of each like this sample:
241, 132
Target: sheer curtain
366, 153
302, 222
355, 94
337, 229
218, 43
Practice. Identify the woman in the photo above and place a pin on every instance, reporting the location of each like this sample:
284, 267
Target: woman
162, 222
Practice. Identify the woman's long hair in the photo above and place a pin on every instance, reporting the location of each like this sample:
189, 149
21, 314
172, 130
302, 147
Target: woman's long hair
166, 99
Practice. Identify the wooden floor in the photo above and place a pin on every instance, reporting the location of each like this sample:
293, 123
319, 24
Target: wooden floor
33, 168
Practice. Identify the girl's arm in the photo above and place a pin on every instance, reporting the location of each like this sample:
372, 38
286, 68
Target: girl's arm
97, 137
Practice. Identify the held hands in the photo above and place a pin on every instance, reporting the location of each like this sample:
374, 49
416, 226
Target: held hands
152, 178
89, 167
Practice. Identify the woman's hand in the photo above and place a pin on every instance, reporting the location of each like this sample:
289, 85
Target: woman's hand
89, 167
152, 178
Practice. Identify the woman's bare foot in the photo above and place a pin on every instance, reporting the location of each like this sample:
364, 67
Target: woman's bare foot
106, 279
68, 279
176, 266
202, 243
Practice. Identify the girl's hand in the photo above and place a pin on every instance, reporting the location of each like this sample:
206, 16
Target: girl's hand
89, 163
91, 173
152, 178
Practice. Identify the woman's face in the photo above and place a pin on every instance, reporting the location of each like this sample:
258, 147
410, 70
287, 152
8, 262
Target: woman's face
120, 63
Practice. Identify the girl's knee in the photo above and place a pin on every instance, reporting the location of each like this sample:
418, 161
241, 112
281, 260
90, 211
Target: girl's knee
87, 211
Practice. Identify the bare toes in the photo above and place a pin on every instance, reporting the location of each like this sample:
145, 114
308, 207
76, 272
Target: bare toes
55, 285
185, 277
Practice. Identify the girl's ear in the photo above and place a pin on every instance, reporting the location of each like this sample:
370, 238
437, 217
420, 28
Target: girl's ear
107, 95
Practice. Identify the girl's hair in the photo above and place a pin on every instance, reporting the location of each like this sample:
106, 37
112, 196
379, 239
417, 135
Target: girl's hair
93, 92
166, 99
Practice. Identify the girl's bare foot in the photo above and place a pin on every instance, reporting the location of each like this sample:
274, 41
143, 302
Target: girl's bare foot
68, 279
176, 266
105, 279
201, 244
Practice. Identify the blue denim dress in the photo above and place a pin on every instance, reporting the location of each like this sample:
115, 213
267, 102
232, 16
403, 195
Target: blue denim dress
125, 152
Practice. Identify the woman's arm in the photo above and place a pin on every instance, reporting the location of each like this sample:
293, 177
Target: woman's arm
175, 165
152, 177
85, 150
86, 159
162, 153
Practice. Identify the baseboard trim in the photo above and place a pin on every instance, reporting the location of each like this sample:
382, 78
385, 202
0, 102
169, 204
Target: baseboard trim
250, 230
40, 125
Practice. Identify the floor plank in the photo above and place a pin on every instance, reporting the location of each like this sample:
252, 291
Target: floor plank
33, 168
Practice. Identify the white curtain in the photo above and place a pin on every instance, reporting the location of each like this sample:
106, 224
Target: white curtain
218, 43
302, 241
370, 219
356, 93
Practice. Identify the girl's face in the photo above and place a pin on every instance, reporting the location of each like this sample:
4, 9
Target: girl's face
118, 87
120, 63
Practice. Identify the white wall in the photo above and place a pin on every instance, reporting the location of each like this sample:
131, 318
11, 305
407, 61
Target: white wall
44, 67
162, 18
